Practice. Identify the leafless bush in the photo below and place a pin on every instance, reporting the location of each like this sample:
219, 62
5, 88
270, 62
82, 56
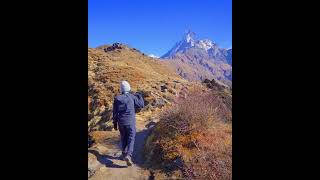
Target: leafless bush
196, 130
195, 112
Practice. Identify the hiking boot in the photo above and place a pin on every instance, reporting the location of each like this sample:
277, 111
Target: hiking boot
122, 157
128, 160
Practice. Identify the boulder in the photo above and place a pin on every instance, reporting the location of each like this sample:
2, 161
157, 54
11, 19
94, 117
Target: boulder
215, 84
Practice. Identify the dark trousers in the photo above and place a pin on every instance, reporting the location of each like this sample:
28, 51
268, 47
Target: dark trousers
128, 134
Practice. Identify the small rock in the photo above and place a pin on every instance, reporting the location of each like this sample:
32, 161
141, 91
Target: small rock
159, 102
163, 88
206, 81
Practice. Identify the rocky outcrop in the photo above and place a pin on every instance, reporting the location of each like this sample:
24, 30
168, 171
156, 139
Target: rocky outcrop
115, 46
214, 84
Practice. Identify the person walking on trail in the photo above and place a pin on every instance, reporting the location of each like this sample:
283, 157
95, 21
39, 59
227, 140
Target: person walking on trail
124, 117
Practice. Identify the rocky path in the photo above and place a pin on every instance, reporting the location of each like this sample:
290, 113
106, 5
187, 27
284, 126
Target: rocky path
103, 157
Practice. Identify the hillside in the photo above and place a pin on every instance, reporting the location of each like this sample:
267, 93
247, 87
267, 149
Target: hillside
170, 102
110, 64
196, 60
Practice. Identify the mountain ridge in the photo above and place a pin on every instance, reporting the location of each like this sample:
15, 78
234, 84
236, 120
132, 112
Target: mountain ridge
199, 59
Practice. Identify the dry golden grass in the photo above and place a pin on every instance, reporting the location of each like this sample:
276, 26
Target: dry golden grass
194, 132
127, 64
192, 137
107, 69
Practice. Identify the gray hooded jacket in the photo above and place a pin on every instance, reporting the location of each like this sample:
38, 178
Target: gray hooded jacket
124, 108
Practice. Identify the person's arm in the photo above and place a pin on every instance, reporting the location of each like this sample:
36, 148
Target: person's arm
115, 114
138, 100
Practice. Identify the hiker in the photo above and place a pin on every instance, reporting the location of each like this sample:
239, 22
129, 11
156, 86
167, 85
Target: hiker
124, 108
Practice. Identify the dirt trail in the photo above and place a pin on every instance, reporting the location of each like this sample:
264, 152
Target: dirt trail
104, 162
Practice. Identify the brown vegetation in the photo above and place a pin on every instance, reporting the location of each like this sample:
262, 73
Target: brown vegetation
108, 65
195, 137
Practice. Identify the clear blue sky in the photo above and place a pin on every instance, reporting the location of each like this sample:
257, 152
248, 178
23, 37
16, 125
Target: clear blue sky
154, 26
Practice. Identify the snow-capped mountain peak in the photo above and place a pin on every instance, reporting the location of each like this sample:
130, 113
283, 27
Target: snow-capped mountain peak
205, 44
189, 41
198, 59
153, 56
189, 36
